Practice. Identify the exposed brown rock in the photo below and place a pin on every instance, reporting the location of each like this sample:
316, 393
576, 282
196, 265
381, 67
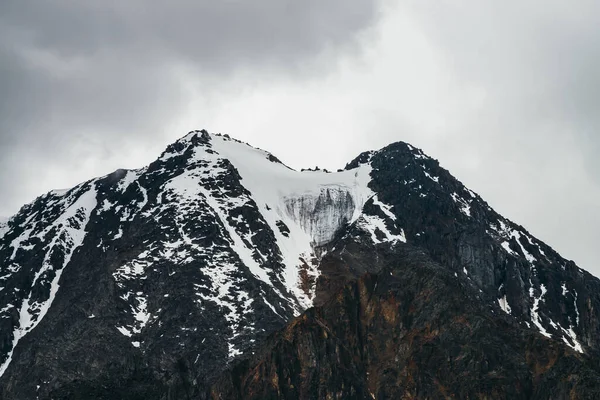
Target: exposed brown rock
411, 331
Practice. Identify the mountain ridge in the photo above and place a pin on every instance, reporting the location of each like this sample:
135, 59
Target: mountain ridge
180, 268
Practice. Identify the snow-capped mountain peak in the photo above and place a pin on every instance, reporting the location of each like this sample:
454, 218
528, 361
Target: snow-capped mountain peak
196, 258
304, 210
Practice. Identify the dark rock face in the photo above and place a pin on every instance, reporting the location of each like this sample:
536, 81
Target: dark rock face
460, 231
188, 279
413, 330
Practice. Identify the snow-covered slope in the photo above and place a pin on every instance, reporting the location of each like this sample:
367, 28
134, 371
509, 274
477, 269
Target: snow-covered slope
304, 209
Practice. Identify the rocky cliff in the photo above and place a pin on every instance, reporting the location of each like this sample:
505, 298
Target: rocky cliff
408, 330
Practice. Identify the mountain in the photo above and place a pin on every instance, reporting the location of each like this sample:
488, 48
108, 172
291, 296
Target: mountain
219, 272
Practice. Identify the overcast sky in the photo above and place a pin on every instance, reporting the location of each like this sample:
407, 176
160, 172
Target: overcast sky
505, 94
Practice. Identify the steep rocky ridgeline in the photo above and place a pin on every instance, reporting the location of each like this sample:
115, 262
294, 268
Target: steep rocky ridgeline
177, 280
526, 277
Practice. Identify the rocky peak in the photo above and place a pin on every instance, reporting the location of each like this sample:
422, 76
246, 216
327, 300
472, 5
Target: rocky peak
165, 275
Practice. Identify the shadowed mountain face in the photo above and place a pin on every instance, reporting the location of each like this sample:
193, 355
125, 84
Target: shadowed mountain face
409, 330
218, 272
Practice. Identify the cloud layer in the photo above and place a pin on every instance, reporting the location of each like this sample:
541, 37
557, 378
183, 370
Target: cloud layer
81, 79
503, 94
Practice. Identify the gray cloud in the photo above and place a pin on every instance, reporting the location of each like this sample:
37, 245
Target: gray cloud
539, 63
535, 135
215, 34
80, 78
503, 94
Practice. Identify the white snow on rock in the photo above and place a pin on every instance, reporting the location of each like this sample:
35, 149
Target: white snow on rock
141, 314
506, 246
387, 210
374, 225
575, 345
465, 208
535, 317
517, 235
128, 179
576, 309
503, 303
70, 232
433, 178
314, 205
124, 331
506, 233
571, 335
16, 243
419, 155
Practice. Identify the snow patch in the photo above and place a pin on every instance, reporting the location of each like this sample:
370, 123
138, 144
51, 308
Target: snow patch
507, 233
59, 192
517, 235
128, 179
576, 308
535, 317
575, 345
464, 205
503, 303
374, 224
387, 210
124, 331
16, 243
433, 178
118, 235
144, 201
506, 246
106, 205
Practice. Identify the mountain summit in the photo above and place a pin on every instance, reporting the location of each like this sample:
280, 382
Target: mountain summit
219, 272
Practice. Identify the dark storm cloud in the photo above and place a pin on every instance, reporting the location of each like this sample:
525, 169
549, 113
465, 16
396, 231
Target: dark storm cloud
82, 77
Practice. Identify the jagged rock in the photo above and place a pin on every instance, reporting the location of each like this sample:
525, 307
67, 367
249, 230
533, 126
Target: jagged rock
411, 330
154, 283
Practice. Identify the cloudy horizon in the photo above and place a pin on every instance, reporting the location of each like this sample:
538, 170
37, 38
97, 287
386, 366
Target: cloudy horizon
504, 95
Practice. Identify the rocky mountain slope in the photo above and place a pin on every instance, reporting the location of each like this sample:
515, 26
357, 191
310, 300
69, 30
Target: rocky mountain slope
196, 277
408, 330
